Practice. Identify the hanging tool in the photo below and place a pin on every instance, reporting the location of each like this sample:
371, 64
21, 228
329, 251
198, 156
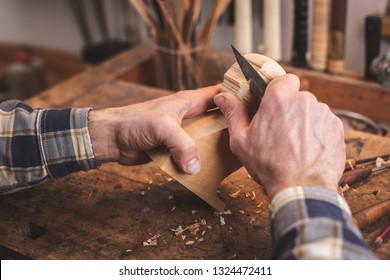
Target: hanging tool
359, 175
301, 10
351, 163
257, 85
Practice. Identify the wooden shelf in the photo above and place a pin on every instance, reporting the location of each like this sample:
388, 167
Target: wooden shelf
347, 93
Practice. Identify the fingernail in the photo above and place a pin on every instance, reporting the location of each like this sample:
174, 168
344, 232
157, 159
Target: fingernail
220, 100
193, 166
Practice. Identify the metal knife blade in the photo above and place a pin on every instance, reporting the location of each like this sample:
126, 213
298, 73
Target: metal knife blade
257, 84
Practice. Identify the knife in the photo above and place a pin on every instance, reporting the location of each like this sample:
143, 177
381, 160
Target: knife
256, 83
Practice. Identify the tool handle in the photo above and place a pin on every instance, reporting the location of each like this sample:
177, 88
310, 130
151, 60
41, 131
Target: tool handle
355, 176
373, 26
368, 216
300, 33
337, 37
319, 34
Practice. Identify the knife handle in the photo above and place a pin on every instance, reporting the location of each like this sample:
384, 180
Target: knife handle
300, 33
336, 51
373, 26
319, 34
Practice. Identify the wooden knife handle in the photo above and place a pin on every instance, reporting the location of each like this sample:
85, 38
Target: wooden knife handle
373, 26
368, 216
300, 33
336, 51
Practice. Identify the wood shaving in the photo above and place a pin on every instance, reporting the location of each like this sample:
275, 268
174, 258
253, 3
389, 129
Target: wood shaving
247, 194
143, 193
190, 242
343, 189
241, 212
173, 208
203, 233
151, 241
235, 194
201, 239
194, 212
169, 179
222, 220
259, 205
252, 221
183, 237
209, 227
203, 222
380, 162
171, 197
178, 231
254, 195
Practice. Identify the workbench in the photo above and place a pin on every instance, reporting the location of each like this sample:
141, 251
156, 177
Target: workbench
115, 212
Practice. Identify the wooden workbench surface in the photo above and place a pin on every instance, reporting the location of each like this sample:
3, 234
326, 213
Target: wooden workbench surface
109, 213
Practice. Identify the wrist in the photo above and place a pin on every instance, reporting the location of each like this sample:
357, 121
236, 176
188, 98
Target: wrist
102, 133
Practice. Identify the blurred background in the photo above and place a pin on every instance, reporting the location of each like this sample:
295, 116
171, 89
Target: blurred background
52, 32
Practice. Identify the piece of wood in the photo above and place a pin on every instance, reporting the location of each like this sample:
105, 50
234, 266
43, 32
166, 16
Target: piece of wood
211, 136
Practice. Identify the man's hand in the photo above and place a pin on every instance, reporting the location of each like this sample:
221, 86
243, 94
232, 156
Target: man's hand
292, 139
123, 134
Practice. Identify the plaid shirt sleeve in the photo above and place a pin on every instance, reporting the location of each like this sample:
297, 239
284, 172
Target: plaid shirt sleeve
314, 223
37, 144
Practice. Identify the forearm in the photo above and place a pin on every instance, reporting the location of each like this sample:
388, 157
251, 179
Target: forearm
37, 145
314, 223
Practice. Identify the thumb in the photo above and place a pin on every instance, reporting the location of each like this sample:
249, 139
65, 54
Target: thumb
234, 111
237, 117
182, 148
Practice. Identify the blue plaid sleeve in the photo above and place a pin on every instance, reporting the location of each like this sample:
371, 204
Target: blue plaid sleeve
314, 223
38, 144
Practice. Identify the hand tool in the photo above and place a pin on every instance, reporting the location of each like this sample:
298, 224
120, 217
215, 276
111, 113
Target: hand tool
300, 33
366, 217
336, 51
379, 240
351, 163
257, 85
373, 29
359, 175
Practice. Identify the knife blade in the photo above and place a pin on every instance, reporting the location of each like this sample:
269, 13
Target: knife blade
256, 83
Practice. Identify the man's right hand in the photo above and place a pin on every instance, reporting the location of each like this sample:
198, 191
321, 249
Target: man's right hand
292, 140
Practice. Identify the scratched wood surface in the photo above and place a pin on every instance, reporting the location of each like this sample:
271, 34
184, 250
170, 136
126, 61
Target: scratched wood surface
109, 213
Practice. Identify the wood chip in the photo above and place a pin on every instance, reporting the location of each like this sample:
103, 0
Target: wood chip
183, 237
169, 179
190, 242
235, 194
143, 193
171, 197
200, 239
151, 241
343, 189
222, 220
194, 212
254, 195
241, 212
